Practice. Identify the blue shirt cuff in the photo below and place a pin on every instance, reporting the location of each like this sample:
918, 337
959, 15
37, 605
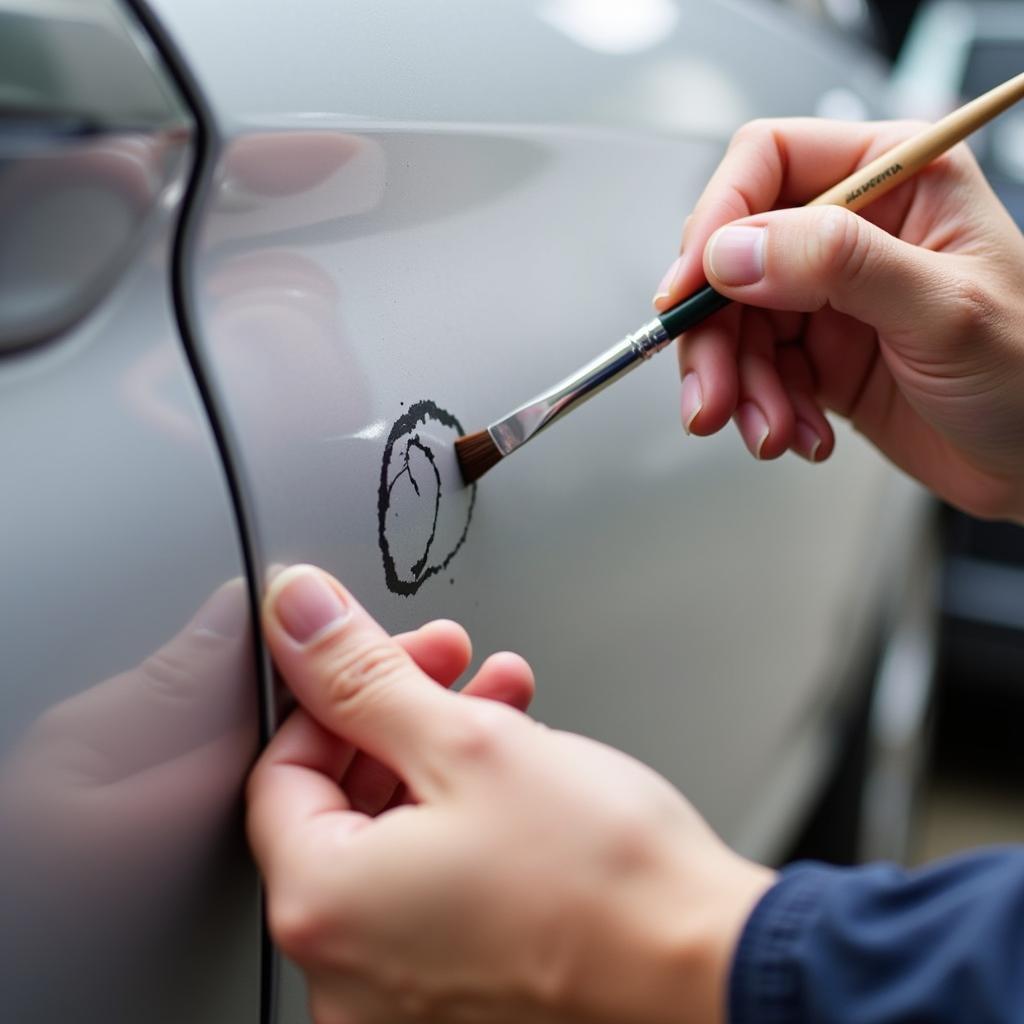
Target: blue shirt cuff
764, 983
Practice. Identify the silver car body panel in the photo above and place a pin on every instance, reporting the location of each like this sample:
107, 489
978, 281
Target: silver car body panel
128, 707
415, 216
421, 214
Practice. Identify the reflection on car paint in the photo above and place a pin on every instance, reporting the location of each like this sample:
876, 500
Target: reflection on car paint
117, 801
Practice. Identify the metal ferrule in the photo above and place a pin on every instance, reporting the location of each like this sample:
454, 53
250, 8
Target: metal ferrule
519, 426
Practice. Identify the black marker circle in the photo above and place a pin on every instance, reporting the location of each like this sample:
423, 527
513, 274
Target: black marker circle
402, 440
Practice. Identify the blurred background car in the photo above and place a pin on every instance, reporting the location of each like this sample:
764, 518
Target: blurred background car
954, 51
258, 269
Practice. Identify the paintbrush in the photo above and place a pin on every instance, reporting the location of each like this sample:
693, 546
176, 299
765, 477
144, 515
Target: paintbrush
478, 452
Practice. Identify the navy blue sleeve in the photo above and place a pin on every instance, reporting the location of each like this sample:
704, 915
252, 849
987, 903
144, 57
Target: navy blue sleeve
880, 945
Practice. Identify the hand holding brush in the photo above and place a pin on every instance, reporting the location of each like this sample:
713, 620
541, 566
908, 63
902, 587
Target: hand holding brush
905, 319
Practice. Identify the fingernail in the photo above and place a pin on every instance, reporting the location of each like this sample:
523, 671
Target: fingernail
753, 427
667, 282
806, 441
306, 605
736, 255
692, 400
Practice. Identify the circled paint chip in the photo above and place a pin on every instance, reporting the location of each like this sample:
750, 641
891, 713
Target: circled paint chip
423, 508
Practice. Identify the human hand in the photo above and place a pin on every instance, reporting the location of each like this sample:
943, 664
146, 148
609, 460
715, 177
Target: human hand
907, 319
535, 876
118, 807
137, 772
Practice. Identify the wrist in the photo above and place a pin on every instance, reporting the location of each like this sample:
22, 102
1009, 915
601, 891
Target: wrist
663, 955
702, 953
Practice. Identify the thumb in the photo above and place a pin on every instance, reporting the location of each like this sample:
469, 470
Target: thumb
802, 259
353, 678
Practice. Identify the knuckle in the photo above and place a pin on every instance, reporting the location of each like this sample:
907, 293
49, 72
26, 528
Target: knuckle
837, 244
363, 666
627, 841
961, 164
975, 307
906, 128
752, 131
481, 733
296, 925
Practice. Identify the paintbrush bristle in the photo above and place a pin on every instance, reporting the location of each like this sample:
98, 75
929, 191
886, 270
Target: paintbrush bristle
476, 453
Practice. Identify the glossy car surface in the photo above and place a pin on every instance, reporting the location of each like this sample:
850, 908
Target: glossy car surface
128, 708
403, 220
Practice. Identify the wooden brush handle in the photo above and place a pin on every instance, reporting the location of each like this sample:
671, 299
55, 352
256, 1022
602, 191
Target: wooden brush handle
872, 181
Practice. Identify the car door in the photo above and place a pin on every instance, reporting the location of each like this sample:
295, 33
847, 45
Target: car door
414, 216
129, 704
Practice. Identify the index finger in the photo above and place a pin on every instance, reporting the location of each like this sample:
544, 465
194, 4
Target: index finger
293, 782
354, 678
772, 164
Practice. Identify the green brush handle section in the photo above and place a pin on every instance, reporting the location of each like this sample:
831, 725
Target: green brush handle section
694, 308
